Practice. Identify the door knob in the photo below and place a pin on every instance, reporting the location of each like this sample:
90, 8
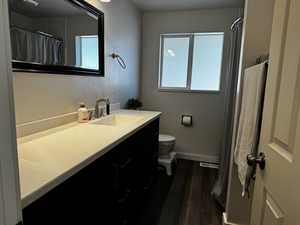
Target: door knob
253, 160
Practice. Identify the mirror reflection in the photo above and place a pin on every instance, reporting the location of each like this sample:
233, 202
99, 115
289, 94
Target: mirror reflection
55, 32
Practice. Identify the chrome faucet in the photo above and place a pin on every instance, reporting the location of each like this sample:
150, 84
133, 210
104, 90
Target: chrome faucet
100, 113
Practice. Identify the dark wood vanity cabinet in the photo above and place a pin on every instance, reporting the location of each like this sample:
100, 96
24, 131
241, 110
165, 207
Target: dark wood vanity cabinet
109, 191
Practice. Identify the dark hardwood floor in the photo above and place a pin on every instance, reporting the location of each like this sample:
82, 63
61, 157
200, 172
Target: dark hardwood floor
199, 207
183, 199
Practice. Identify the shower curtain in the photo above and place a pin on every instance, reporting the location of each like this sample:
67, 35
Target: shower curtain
34, 47
220, 188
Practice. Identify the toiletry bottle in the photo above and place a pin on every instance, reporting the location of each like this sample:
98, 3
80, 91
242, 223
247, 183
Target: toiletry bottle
83, 114
107, 107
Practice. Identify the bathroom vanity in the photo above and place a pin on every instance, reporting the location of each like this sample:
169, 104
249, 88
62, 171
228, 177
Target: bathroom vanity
95, 173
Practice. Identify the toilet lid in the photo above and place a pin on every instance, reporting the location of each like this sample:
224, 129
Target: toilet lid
166, 138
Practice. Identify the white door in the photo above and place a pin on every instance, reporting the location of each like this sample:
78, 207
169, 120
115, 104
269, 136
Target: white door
10, 204
277, 188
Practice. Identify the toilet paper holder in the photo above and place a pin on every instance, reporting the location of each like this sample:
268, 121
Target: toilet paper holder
187, 120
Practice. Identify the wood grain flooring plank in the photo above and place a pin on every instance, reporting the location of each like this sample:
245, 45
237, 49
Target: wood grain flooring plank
199, 207
189, 200
171, 211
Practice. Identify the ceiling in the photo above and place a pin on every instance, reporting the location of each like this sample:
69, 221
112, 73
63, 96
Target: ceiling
157, 5
45, 8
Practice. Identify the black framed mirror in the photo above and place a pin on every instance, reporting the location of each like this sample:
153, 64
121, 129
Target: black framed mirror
57, 36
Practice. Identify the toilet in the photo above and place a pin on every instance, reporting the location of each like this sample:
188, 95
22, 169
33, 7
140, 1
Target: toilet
166, 154
166, 146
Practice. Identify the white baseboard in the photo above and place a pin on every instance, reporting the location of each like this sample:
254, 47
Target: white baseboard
197, 157
226, 222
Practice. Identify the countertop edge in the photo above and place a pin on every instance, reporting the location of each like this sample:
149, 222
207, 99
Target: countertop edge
35, 195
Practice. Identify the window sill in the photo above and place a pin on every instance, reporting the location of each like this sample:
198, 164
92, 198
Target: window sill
188, 91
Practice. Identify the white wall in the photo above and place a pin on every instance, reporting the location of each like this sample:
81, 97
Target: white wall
10, 202
20, 20
258, 19
89, 27
203, 140
39, 96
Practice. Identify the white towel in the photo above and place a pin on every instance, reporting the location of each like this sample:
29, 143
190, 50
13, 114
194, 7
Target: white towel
250, 114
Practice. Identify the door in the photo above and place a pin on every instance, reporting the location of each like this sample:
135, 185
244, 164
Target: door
277, 189
10, 207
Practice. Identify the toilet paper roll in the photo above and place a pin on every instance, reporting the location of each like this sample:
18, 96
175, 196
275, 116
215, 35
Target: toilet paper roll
187, 120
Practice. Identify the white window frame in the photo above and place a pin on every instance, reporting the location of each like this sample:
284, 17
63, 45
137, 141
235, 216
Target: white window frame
78, 48
191, 37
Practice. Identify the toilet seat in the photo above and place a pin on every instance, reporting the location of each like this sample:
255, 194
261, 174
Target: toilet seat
166, 138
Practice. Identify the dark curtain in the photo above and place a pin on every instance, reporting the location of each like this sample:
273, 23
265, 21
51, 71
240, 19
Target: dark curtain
220, 188
34, 47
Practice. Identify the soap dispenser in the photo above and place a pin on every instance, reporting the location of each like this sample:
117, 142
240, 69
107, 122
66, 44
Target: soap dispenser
83, 114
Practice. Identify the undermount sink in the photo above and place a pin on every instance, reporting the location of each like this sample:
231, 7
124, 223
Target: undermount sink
117, 120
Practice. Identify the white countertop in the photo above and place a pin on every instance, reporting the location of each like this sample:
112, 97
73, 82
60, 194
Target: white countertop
48, 158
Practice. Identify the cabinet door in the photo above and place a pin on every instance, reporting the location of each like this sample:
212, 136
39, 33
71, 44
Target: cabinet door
84, 198
148, 153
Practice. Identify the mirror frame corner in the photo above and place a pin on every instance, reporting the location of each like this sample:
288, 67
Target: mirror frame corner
31, 67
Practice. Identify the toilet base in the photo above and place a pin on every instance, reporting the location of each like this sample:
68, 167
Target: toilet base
167, 163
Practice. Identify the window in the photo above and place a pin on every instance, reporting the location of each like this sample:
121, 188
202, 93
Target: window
191, 61
175, 62
87, 52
